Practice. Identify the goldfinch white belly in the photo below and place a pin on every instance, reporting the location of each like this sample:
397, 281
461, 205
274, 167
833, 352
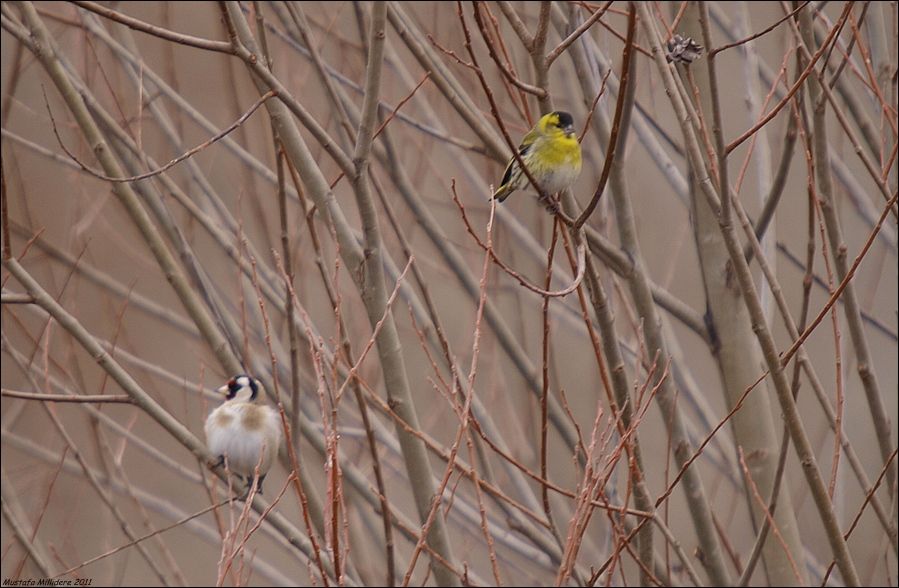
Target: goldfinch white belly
246, 434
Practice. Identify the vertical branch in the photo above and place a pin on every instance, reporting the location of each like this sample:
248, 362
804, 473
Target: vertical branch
373, 293
294, 420
538, 57
797, 432
291, 312
818, 99
366, 266
544, 401
638, 283
4, 211
371, 95
621, 106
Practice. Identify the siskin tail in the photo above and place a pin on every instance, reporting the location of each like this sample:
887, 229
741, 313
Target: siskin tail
502, 193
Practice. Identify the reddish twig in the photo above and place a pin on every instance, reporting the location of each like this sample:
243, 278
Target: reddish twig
371, 340
567, 41
771, 522
582, 250
506, 71
465, 415
291, 450
868, 495
798, 84
788, 354
544, 393
620, 107
144, 537
599, 94
389, 118
754, 36
177, 160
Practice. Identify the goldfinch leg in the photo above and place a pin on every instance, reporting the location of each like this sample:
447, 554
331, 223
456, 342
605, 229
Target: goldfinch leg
246, 493
249, 482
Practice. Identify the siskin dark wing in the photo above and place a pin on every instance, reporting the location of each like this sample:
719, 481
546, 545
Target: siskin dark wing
502, 191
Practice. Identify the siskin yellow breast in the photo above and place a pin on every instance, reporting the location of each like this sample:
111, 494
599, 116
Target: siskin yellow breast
556, 162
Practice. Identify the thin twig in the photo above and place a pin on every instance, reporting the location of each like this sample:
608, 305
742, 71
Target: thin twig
112, 398
506, 70
219, 136
581, 255
620, 105
769, 516
787, 355
716, 50
796, 85
156, 31
868, 496
584, 26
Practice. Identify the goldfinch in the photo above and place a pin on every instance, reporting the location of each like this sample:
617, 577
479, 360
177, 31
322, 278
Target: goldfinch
551, 153
244, 431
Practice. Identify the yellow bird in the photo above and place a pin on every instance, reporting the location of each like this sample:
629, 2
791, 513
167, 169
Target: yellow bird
551, 153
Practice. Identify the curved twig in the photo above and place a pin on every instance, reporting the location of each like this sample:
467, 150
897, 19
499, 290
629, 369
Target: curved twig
156, 31
581, 259
172, 163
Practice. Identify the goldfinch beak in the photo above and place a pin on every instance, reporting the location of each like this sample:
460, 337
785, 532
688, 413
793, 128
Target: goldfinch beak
223, 390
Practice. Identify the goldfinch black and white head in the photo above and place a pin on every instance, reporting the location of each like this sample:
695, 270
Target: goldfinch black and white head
244, 432
243, 388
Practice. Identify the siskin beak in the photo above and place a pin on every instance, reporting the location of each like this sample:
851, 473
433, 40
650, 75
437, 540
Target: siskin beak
569, 130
